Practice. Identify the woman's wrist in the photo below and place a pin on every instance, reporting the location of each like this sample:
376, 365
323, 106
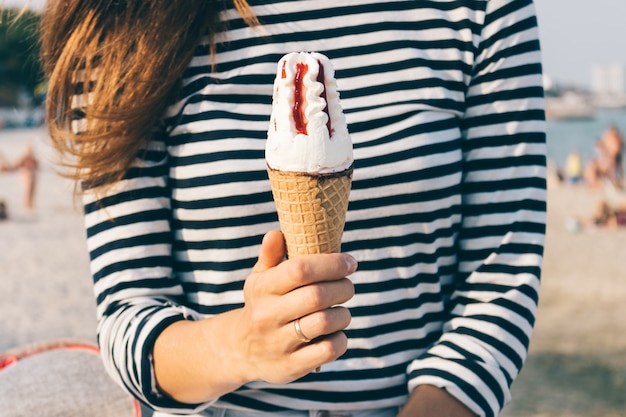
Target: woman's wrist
191, 367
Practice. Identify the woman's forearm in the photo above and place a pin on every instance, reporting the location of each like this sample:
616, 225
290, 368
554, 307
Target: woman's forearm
191, 367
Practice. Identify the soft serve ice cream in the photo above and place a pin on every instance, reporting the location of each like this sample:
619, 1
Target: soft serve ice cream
307, 130
309, 155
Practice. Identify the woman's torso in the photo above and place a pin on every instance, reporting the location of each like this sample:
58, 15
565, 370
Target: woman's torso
402, 70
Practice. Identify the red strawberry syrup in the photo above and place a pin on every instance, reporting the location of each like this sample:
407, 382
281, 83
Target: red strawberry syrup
299, 118
299, 98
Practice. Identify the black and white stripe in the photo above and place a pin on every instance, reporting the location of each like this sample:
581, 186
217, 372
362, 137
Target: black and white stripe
446, 216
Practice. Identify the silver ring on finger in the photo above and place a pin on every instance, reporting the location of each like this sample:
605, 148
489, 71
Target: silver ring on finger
298, 329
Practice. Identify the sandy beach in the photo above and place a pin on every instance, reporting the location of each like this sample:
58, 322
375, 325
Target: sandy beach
45, 290
577, 362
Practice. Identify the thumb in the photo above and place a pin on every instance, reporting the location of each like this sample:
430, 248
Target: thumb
272, 251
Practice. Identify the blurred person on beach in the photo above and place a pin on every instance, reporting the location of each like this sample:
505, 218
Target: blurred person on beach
554, 175
610, 214
613, 146
4, 211
5, 166
161, 108
604, 174
27, 166
574, 167
607, 163
595, 169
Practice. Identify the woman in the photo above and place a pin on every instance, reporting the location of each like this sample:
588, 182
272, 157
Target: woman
446, 219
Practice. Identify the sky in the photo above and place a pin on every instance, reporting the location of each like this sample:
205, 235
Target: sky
575, 35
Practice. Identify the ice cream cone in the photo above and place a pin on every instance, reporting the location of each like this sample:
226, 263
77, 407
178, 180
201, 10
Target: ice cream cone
311, 209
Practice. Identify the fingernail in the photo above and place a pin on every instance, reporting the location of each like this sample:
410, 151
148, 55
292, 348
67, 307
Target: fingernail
351, 263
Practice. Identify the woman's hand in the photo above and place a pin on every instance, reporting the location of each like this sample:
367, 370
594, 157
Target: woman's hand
303, 290
199, 361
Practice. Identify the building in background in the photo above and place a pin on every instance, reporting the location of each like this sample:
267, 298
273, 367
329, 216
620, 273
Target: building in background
567, 101
608, 85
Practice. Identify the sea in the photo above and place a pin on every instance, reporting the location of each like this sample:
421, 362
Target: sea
563, 135
568, 135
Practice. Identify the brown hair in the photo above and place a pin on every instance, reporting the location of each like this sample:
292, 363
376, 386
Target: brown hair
129, 55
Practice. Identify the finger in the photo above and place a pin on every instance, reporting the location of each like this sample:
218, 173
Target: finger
271, 253
310, 269
306, 300
322, 323
312, 355
320, 296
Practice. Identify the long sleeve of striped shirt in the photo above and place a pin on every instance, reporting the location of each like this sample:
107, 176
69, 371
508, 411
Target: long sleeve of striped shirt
444, 104
130, 244
493, 306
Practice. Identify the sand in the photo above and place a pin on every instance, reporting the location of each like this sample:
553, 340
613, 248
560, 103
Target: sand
45, 284
577, 361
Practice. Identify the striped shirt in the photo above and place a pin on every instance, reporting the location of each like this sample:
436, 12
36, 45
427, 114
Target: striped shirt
444, 103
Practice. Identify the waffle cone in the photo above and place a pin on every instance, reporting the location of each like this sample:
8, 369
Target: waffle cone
311, 209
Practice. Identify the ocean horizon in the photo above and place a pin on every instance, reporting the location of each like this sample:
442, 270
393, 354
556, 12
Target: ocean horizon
563, 135
567, 135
